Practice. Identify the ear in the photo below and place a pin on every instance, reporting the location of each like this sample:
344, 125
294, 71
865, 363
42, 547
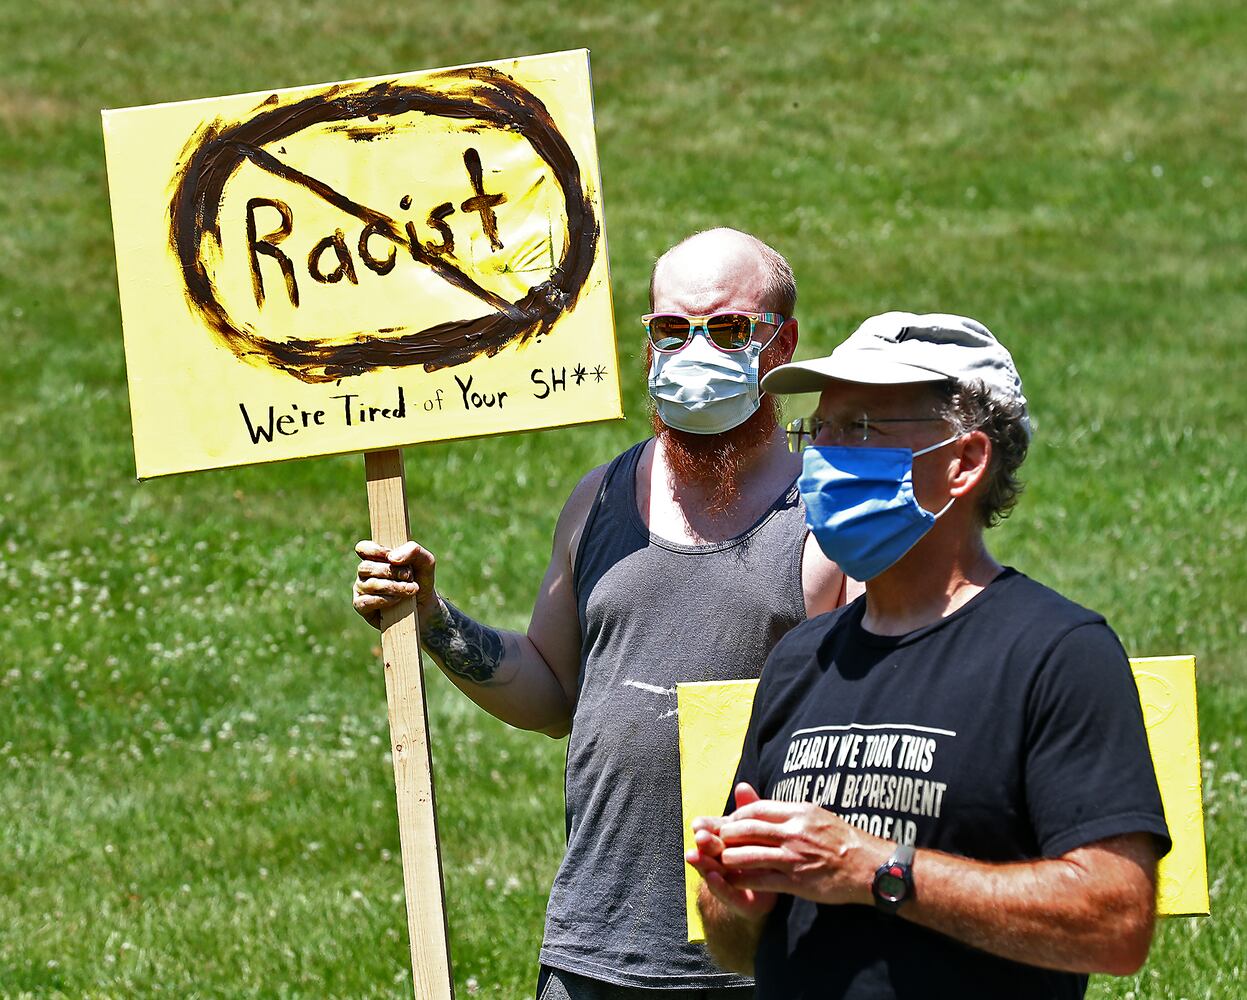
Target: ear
786, 340
970, 467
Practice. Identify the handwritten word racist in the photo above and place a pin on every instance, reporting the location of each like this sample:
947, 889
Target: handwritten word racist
377, 244
374, 240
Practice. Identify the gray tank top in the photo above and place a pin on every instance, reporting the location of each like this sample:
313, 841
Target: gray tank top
653, 614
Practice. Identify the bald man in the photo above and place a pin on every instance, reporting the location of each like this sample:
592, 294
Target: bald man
686, 558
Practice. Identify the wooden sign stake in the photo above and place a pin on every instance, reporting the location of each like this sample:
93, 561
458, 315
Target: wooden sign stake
409, 742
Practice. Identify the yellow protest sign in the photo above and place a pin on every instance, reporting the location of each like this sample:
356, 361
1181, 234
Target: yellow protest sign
363, 265
713, 717
1167, 692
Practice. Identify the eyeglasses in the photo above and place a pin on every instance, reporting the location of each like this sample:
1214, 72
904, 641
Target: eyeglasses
806, 430
732, 330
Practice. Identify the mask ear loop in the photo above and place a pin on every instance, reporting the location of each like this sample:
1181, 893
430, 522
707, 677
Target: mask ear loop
762, 351
924, 451
934, 447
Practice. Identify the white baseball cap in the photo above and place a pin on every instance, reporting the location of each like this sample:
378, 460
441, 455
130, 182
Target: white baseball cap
902, 348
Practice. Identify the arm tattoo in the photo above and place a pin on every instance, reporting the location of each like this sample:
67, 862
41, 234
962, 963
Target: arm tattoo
465, 647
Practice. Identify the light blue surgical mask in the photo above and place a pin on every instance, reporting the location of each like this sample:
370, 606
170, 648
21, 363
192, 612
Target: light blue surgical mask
860, 505
703, 390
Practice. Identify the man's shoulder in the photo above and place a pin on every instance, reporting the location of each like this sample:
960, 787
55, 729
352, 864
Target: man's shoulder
1026, 600
578, 505
586, 490
1047, 633
800, 643
591, 481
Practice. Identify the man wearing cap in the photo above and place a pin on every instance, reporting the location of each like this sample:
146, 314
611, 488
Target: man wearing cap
683, 559
945, 788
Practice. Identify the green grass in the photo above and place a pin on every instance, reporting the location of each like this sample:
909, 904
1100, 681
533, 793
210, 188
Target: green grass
194, 795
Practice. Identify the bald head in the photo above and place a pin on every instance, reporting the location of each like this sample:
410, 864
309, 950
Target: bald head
722, 269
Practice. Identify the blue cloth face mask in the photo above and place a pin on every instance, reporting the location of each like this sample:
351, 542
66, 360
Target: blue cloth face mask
860, 505
703, 390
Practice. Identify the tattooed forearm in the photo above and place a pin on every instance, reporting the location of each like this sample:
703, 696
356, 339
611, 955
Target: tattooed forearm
463, 646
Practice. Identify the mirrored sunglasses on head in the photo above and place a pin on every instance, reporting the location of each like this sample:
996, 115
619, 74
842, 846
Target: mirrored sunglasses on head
731, 330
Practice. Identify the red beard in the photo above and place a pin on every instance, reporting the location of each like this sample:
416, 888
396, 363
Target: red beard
713, 462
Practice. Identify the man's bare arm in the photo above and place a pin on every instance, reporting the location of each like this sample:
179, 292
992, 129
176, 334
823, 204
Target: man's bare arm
465, 647
731, 935
528, 680
732, 917
1090, 910
823, 582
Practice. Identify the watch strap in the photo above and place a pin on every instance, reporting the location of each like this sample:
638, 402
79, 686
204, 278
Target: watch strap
898, 866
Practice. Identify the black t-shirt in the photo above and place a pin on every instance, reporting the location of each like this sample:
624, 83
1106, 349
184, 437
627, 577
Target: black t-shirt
1009, 730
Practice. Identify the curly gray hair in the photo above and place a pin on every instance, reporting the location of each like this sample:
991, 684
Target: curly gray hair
970, 406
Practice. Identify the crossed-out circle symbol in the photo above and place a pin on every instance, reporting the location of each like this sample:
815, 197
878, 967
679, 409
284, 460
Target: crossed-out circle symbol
476, 94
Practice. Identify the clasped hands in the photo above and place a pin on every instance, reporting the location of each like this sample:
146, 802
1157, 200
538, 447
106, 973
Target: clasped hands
767, 847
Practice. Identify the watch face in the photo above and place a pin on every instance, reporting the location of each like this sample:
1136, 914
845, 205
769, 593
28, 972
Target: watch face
890, 885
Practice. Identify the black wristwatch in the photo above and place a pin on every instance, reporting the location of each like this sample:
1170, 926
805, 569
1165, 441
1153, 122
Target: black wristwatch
893, 884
